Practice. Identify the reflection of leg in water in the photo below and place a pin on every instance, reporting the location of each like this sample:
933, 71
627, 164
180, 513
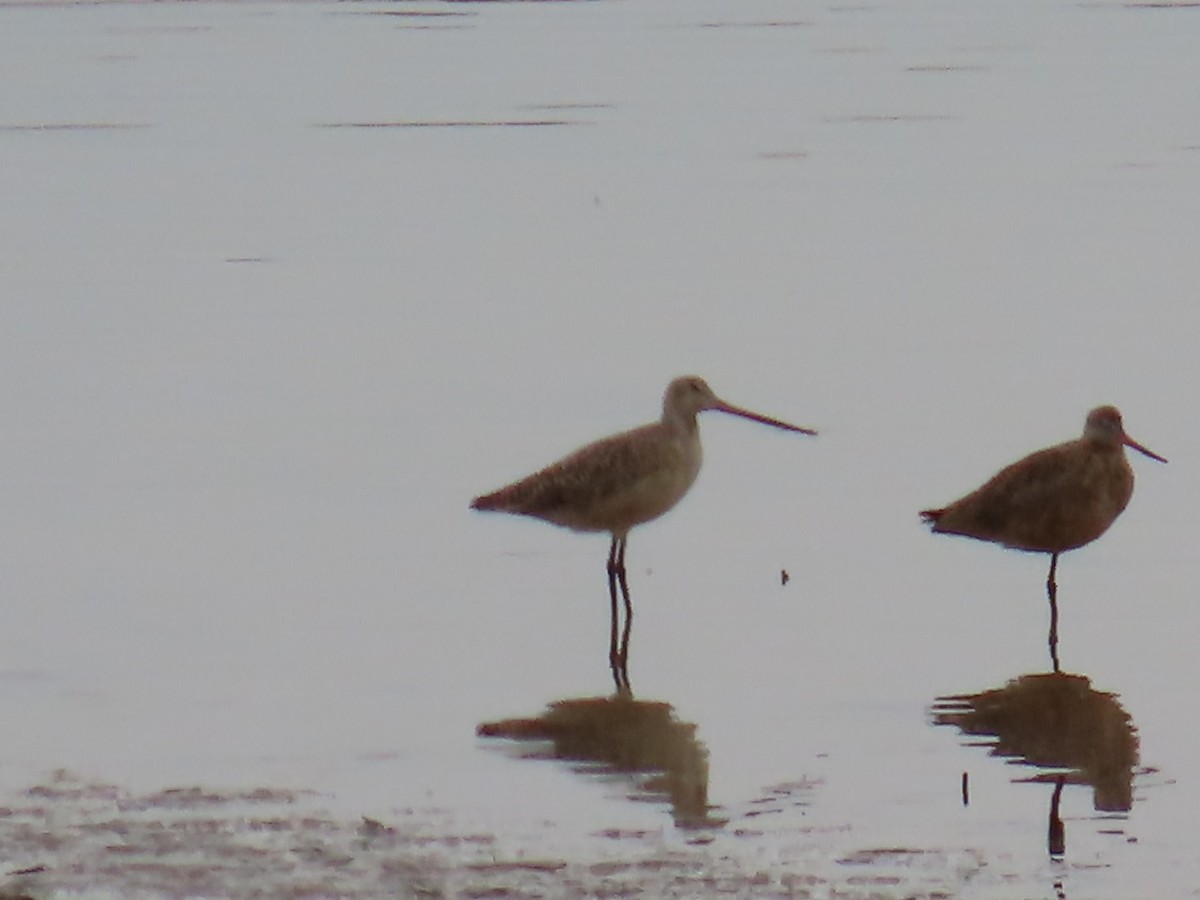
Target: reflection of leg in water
1056, 836
1052, 593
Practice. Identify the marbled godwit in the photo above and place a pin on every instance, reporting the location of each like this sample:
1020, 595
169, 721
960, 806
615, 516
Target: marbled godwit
1051, 501
622, 481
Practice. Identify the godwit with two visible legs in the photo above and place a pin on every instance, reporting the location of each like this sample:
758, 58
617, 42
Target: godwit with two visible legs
1052, 501
622, 481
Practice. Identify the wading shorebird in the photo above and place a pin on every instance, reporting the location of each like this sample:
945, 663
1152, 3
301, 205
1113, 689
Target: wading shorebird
1051, 501
622, 481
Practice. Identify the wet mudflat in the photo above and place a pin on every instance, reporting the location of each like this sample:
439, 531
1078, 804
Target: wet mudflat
285, 285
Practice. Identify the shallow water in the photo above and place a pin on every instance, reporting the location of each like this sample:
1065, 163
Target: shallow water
285, 285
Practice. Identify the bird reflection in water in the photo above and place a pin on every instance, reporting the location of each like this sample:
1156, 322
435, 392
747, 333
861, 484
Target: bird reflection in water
1054, 721
637, 738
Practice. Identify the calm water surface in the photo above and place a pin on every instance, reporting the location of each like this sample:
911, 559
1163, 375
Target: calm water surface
285, 285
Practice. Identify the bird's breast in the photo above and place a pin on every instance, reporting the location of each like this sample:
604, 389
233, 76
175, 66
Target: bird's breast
662, 475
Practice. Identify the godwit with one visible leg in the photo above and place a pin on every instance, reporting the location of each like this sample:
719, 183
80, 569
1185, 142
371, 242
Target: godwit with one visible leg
622, 481
1052, 501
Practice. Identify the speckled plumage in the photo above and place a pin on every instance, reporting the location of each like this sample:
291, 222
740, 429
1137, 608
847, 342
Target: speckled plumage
625, 479
610, 485
1053, 500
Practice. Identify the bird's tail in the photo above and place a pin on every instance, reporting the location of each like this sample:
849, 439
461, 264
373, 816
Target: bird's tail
486, 502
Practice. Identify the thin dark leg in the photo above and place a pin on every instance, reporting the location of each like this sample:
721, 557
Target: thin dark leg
1052, 593
1056, 834
614, 655
624, 654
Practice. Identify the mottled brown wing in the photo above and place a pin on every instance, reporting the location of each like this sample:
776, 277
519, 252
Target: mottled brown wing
584, 478
1052, 500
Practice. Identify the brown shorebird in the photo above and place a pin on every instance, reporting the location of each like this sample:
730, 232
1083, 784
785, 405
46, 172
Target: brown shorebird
622, 481
1051, 501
